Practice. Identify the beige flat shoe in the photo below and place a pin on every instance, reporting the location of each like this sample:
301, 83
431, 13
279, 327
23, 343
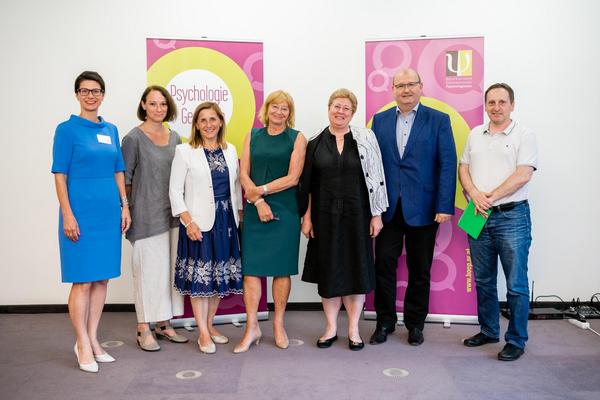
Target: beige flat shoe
209, 349
152, 346
176, 338
220, 339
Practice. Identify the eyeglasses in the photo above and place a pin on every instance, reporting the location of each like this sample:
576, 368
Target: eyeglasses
94, 92
409, 85
339, 107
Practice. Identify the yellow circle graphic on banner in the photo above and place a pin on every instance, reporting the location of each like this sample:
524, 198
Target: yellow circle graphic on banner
460, 130
201, 58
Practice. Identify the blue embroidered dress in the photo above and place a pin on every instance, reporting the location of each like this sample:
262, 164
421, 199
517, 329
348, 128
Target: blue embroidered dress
212, 266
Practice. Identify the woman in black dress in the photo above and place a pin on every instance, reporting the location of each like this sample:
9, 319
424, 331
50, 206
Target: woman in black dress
342, 196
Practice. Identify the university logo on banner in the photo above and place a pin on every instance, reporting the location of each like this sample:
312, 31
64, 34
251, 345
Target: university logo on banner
194, 71
451, 70
459, 69
459, 63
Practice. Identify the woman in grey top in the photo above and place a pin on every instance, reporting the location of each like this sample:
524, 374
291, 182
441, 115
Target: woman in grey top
148, 150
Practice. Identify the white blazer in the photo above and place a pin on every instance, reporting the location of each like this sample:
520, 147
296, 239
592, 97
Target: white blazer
190, 186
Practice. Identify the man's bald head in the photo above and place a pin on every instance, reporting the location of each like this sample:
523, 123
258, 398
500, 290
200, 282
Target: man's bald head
407, 88
408, 72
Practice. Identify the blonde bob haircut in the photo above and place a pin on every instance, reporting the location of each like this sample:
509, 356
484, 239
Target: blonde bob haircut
343, 94
278, 96
196, 139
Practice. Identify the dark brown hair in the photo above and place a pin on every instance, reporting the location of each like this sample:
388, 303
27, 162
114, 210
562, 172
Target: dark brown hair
89, 76
171, 107
511, 93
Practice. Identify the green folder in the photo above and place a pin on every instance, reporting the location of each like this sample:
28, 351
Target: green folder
471, 223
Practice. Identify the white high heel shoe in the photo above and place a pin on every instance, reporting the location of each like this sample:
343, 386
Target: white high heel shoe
91, 367
104, 358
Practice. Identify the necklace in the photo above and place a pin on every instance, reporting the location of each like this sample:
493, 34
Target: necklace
339, 138
274, 131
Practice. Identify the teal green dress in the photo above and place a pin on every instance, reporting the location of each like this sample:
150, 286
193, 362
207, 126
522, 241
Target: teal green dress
271, 249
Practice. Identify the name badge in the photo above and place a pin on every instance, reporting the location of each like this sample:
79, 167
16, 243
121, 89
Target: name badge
103, 139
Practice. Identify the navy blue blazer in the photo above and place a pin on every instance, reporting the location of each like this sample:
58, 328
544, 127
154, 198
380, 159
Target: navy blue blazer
425, 177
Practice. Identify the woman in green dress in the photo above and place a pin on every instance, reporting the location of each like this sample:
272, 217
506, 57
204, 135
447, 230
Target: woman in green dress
271, 165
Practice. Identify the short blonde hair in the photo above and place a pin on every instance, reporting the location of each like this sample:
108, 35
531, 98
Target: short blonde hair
343, 94
277, 96
196, 137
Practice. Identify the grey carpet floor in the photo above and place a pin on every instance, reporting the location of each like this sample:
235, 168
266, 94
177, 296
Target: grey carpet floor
37, 362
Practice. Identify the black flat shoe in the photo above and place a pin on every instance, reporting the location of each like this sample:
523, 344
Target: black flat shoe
510, 352
326, 343
415, 337
380, 335
355, 346
479, 340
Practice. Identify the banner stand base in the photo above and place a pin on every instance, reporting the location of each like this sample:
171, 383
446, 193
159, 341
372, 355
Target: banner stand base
439, 318
235, 319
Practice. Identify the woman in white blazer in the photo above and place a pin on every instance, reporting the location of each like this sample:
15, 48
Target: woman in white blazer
206, 195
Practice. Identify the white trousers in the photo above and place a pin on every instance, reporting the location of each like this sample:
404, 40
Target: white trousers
153, 274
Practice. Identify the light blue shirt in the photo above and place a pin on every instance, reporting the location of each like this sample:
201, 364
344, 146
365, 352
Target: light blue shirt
403, 127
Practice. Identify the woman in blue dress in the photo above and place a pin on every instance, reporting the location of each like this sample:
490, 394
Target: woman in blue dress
88, 172
206, 195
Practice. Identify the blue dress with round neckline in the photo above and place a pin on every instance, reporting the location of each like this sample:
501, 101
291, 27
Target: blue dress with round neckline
89, 154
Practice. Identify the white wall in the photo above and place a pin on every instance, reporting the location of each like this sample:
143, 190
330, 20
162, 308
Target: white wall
546, 50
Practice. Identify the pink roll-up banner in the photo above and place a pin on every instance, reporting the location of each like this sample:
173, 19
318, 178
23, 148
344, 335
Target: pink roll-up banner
452, 73
229, 73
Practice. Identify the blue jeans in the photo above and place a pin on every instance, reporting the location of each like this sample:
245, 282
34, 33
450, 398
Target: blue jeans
506, 234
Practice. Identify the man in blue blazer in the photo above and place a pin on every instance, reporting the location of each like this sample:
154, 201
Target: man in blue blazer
419, 159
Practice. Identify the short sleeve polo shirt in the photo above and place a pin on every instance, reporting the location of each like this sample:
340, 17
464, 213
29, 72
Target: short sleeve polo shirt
493, 157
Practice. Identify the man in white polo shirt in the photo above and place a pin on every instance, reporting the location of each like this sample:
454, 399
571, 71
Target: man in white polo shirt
496, 166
